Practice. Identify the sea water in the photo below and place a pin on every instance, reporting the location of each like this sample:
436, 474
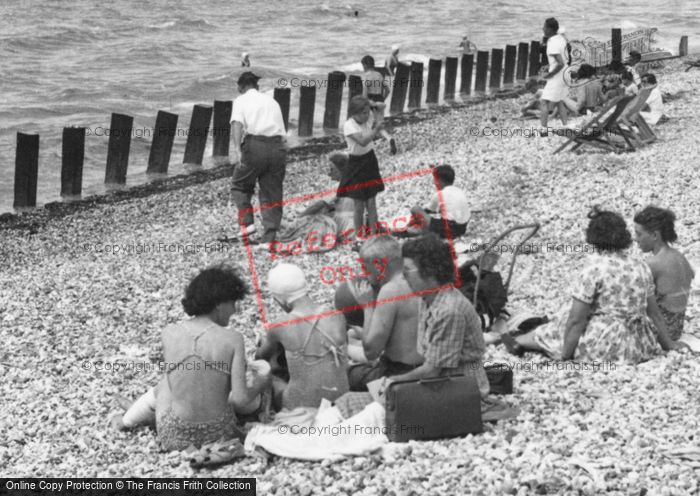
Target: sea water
73, 63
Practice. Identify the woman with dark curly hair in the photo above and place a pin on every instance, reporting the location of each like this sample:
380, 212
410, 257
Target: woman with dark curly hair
449, 329
672, 273
613, 305
204, 384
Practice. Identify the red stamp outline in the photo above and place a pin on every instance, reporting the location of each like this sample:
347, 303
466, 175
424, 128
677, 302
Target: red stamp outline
332, 192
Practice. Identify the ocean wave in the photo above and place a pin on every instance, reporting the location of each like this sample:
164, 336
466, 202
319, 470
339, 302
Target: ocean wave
182, 23
51, 41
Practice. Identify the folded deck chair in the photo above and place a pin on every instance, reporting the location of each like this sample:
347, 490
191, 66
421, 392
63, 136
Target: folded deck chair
605, 135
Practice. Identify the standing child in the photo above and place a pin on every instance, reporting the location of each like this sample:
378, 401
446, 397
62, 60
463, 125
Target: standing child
361, 179
375, 88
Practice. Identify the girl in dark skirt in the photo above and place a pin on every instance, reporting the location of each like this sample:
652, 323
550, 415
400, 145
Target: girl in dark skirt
361, 179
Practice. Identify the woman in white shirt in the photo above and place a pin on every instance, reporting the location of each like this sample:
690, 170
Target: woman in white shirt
556, 89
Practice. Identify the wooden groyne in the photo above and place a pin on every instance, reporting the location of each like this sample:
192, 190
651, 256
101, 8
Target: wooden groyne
477, 73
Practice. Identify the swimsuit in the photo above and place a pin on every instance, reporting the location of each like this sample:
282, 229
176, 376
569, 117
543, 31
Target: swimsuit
315, 376
175, 433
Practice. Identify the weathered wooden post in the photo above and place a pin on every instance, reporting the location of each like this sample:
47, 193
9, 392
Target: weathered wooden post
496, 68
523, 56
617, 44
283, 98
416, 85
197, 137
121, 127
434, 70
450, 77
534, 58
222, 128
26, 170
509, 71
467, 70
398, 92
307, 104
354, 88
334, 99
482, 68
72, 158
162, 143
683, 47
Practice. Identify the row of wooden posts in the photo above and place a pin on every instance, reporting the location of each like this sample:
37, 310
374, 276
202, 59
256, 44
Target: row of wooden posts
498, 69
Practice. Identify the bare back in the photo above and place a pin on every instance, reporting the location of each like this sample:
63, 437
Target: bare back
673, 277
197, 379
401, 345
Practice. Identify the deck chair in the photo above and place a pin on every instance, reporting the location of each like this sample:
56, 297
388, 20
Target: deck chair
602, 135
631, 121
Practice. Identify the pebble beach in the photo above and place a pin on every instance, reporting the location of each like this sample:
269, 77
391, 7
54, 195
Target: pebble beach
72, 305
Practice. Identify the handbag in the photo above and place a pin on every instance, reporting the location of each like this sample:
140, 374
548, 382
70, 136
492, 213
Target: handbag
500, 376
434, 408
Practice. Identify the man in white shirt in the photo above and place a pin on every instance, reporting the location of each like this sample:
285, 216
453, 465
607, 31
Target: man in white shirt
258, 135
654, 108
556, 89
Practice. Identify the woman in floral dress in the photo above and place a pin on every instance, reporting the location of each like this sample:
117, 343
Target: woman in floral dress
613, 307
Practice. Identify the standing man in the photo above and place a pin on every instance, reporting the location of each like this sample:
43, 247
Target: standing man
258, 137
556, 89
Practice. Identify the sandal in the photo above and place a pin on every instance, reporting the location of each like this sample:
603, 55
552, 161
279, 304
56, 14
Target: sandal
217, 454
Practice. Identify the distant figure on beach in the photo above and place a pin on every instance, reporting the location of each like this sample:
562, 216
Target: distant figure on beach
376, 90
245, 60
632, 61
588, 91
392, 61
258, 136
556, 88
467, 46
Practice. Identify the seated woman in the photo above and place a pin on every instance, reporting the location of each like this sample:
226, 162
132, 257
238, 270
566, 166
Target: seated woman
315, 347
613, 302
204, 384
672, 273
588, 91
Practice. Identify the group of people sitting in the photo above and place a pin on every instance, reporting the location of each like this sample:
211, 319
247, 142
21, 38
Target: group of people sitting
561, 91
406, 321
591, 88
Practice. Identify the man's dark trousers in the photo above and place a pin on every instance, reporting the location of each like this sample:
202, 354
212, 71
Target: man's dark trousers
263, 161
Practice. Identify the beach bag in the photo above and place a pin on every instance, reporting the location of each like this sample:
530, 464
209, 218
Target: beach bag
500, 376
491, 298
435, 408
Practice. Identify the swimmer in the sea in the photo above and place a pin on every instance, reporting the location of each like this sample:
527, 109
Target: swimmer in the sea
245, 60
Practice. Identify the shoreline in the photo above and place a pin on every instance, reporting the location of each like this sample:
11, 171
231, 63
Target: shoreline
314, 146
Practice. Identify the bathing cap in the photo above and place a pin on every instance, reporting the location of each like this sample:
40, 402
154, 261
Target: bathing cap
395, 48
287, 281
